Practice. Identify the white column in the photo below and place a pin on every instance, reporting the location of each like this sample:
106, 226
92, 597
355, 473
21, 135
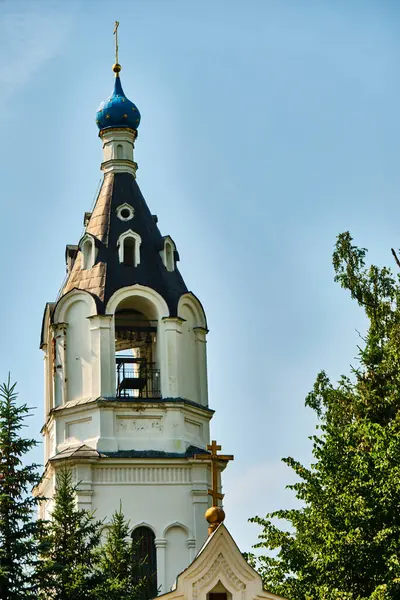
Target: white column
199, 501
46, 367
103, 376
170, 366
201, 353
161, 545
60, 375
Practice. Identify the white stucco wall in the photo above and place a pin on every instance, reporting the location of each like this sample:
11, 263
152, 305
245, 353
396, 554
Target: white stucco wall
78, 359
170, 495
112, 427
177, 553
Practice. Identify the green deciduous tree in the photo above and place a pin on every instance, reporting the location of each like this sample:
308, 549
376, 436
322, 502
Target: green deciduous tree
69, 568
121, 573
344, 543
18, 525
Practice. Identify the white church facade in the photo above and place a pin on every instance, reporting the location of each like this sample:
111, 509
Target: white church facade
126, 402
124, 346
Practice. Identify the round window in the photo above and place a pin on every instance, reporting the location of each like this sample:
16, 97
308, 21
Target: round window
125, 212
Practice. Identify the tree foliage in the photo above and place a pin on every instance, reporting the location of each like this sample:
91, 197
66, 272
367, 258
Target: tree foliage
344, 543
121, 572
18, 525
69, 568
61, 559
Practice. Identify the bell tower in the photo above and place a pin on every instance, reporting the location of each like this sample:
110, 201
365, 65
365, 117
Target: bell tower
126, 404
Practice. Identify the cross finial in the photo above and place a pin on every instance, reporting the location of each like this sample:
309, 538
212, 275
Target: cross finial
117, 66
214, 515
215, 458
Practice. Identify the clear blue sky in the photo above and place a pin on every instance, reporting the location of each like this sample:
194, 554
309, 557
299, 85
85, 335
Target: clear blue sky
268, 127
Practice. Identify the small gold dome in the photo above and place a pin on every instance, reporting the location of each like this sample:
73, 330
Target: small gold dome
215, 515
116, 68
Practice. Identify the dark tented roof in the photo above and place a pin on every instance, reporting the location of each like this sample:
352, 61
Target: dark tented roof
108, 275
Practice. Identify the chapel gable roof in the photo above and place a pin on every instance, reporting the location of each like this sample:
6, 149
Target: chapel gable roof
219, 560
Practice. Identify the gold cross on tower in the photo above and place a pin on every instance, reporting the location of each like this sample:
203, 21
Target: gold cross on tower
215, 458
116, 25
117, 66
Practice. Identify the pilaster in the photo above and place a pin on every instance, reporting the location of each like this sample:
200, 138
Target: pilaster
201, 353
200, 502
170, 380
161, 545
107, 441
103, 373
60, 370
83, 479
192, 548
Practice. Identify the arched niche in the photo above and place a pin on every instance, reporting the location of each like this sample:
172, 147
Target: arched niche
73, 351
177, 552
78, 350
189, 300
190, 370
65, 301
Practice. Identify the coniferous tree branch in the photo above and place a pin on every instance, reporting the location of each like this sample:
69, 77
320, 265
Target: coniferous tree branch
70, 560
19, 527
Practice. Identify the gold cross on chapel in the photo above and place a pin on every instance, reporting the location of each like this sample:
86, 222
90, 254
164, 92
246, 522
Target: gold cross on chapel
215, 458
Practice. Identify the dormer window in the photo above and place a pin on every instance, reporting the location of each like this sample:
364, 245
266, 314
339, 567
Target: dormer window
129, 252
169, 257
125, 212
129, 248
87, 247
168, 253
71, 253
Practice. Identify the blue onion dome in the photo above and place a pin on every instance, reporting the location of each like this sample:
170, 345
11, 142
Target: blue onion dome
117, 111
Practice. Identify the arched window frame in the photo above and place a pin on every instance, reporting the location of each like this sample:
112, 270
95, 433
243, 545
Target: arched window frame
120, 151
88, 249
168, 254
137, 240
145, 536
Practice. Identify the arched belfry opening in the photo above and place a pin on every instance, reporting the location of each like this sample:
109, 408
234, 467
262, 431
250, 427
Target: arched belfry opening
137, 362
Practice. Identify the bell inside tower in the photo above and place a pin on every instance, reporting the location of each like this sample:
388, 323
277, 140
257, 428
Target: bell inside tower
137, 371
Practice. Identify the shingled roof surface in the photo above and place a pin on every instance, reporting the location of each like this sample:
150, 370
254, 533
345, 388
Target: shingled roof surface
85, 452
108, 274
